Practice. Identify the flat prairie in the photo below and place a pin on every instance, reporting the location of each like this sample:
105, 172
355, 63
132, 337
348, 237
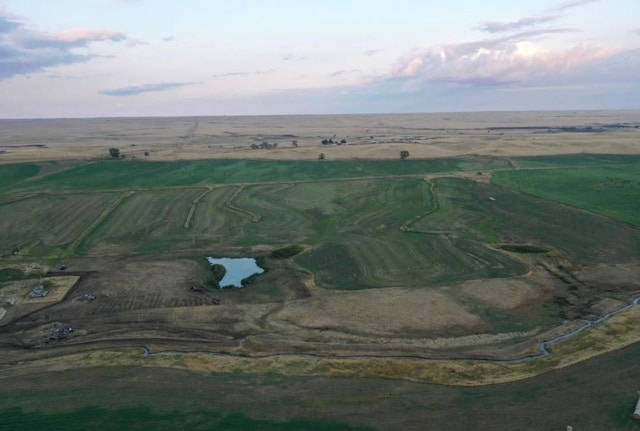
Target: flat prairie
299, 137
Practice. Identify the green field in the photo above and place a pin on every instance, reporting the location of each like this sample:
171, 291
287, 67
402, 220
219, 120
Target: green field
611, 189
49, 223
361, 226
387, 227
595, 395
145, 221
512, 217
121, 175
10, 175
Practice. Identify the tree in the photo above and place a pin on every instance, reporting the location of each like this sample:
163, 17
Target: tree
114, 152
404, 154
321, 156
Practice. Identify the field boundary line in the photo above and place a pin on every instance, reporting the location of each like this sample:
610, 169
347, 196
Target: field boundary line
192, 210
435, 206
255, 217
97, 222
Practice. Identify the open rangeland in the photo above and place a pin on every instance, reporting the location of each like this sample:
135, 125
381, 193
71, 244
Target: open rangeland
464, 264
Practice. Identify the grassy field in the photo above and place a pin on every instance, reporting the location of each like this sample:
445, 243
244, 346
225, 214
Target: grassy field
404, 257
513, 217
595, 395
13, 174
47, 224
378, 231
126, 175
144, 222
610, 189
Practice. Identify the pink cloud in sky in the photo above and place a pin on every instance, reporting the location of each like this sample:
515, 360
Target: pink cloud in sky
69, 38
522, 23
24, 51
497, 61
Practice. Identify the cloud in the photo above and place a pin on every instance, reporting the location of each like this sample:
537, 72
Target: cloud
257, 72
570, 5
145, 88
24, 51
291, 57
343, 72
168, 39
224, 75
8, 22
510, 59
371, 52
66, 39
499, 27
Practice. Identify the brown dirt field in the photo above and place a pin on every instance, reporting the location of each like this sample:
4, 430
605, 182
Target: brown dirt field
58, 288
391, 311
146, 300
509, 293
611, 277
14, 295
608, 337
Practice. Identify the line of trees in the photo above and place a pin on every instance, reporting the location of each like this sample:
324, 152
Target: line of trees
330, 141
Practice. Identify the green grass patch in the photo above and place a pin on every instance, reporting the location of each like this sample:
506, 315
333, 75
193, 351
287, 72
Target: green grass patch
46, 223
334, 267
524, 248
575, 160
287, 252
121, 175
611, 190
145, 418
13, 175
519, 218
146, 222
11, 274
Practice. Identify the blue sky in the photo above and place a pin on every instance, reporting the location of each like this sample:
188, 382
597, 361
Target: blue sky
92, 58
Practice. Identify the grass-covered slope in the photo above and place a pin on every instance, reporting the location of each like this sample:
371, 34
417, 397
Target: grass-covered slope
612, 189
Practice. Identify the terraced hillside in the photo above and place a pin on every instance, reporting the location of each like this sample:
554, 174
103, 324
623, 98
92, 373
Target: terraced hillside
469, 257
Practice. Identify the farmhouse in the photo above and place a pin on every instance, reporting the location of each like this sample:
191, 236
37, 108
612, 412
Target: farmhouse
38, 292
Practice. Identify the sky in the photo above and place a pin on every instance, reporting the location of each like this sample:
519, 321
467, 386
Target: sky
106, 58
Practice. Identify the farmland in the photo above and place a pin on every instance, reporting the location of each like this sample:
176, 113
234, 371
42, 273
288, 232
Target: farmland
447, 270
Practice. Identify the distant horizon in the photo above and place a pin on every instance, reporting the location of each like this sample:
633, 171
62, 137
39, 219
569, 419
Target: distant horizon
358, 114
161, 58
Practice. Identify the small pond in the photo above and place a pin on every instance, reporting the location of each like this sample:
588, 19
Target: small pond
237, 269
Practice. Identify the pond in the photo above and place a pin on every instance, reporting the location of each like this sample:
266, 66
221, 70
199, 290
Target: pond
238, 269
